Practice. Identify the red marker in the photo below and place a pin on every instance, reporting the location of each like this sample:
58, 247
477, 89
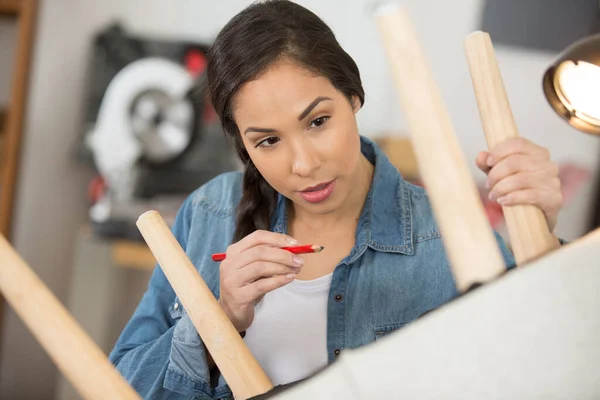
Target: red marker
309, 248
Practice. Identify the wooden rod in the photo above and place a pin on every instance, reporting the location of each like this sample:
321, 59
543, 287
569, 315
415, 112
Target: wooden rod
527, 226
231, 355
16, 112
10, 7
466, 233
71, 349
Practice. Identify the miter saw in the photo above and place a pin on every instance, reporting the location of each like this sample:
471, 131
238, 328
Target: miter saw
154, 138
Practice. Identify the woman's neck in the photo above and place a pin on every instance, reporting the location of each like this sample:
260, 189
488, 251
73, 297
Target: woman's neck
343, 218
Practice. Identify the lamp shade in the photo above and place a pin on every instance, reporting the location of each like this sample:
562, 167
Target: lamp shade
572, 84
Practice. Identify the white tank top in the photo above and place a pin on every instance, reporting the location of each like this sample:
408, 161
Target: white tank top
288, 336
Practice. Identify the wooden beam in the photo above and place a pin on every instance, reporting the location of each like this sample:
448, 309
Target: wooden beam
528, 230
11, 7
16, 113
231, 355
67, 344
466, 232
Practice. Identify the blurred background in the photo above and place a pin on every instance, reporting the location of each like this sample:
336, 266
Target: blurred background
103, 116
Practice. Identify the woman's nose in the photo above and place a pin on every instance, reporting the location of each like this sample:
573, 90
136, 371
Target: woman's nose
305, 160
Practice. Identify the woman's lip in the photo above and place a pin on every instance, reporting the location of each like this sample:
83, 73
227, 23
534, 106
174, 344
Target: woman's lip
313, 188
320, 195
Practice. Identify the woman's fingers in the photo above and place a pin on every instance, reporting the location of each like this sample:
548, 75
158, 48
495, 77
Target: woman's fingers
261, 269
517, 164
268, 254
261, 237
516, 145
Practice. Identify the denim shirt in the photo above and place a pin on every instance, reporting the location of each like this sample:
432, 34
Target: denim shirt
396, 272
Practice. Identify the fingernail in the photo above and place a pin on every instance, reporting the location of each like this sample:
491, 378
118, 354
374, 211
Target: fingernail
298, 261
290, 276
292, 241
490, 161
501, 200
492, 196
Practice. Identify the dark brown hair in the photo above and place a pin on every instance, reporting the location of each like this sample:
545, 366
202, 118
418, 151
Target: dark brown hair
261, 34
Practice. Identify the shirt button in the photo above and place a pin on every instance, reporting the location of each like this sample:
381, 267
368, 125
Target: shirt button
337, 352
176, 306
338, 297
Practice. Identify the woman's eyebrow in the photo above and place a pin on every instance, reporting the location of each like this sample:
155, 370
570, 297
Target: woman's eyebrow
311, 106
303, 115
259, 130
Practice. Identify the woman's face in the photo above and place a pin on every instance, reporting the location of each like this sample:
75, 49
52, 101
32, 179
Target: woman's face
301, 134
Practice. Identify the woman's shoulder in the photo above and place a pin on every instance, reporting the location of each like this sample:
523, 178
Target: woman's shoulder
219, 196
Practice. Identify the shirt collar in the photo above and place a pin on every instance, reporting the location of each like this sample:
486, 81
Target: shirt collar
385, 221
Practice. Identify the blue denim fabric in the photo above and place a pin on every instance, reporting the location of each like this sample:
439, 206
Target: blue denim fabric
396, 272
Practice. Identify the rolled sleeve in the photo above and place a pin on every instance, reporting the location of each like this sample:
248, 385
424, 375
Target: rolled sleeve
188, 372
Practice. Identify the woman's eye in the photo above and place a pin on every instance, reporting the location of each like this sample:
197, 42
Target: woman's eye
268, 142
316, 123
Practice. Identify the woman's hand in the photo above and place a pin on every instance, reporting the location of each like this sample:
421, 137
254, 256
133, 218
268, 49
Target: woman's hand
253, 267
521, 172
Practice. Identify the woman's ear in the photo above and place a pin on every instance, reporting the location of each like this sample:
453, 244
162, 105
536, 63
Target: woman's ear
356, 104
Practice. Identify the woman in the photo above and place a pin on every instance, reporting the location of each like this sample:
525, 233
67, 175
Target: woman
287, 94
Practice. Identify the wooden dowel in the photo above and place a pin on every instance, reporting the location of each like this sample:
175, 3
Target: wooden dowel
527, 227
467, 236
231, 355
25, 11
71, 349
